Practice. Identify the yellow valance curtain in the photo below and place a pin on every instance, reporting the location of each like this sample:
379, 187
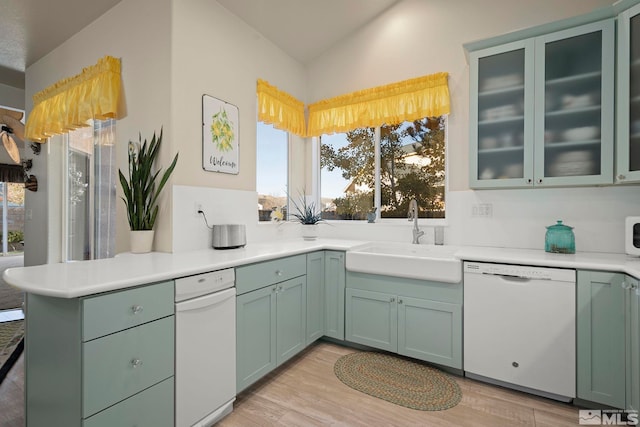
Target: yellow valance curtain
280, 109
408, 100
70, 103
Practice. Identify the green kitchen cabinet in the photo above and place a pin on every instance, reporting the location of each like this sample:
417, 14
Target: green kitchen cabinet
372, 319
415, 318
601, 350
271, 328
541, 110
628, 99
271, 320
633, 344
430, 330
291, 318
255, 335
315, 295
334, 293
110, 353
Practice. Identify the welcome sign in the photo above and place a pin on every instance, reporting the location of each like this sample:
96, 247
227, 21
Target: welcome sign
220, 146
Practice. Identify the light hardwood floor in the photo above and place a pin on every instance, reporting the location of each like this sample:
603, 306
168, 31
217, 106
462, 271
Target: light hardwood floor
305, 392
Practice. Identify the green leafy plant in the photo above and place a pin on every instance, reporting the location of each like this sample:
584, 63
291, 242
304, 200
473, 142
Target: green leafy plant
140, 191
306, 212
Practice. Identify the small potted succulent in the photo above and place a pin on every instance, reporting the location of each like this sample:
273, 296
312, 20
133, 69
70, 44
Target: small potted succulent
309, 216
141, 192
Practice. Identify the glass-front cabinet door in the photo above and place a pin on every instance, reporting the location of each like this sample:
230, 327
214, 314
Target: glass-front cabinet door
628, 103
574, 102
501, 116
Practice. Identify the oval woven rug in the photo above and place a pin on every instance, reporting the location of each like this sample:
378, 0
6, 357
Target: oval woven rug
398, 381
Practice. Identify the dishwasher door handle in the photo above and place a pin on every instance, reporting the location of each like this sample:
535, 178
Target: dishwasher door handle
510, 278
206, 300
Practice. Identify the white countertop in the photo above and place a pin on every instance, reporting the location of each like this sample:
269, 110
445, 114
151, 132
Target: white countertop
76, 279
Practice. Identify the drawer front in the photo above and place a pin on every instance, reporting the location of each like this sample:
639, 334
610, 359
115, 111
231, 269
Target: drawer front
113, 312
256, 276
150, 408
123, 364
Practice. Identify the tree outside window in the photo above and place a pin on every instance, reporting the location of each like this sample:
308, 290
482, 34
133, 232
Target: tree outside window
412, 166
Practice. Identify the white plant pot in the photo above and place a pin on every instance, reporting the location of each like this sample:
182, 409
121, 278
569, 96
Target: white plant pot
141, 241
309, 231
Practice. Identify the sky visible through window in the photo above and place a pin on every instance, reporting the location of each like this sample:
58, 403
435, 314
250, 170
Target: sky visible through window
271, 161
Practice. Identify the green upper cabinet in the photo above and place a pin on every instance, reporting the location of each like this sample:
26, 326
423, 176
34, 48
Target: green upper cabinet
628, 101
541, 110
501, 116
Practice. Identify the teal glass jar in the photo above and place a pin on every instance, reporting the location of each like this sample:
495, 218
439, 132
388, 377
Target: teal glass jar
560, 239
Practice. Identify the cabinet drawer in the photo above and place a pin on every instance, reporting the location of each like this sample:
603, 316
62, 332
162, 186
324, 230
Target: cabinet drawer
122, 364
150, 408
113, 312
256, 276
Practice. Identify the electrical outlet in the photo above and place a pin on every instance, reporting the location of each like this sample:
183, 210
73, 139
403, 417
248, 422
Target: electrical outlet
482, 210
197, 207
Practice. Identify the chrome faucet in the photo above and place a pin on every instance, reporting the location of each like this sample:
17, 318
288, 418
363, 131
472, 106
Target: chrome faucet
413, 216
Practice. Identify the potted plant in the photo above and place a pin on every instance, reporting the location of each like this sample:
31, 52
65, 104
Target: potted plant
308, 216
141, 191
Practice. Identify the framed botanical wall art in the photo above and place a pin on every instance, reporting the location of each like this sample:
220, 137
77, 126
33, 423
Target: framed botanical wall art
220, 142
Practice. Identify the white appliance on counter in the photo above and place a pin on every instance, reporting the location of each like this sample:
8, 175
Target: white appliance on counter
205, 374
520, 328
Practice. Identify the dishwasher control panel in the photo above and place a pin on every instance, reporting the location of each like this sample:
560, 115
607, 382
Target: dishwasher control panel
521, 271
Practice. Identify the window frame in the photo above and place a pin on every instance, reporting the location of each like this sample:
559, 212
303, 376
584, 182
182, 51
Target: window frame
316, 182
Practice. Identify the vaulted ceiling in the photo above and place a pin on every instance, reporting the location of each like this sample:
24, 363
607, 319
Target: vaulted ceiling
304, 29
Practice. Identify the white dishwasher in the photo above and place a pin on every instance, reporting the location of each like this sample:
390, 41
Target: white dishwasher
519, 327
205, 377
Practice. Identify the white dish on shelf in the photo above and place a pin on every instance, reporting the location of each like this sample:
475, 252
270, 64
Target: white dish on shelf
501, 82
584, 133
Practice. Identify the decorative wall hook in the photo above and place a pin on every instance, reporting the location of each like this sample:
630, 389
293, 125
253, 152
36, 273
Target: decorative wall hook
31, 182
36, 148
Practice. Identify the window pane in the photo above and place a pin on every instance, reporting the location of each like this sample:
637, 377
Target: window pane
347, 174
271, 171
91, 192
412, 167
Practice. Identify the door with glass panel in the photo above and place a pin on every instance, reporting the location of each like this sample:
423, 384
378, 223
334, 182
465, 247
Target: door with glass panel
574, 101
501, 116
628, 101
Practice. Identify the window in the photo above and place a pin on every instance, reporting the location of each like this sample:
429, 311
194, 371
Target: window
90, 192
410, 165
271, 172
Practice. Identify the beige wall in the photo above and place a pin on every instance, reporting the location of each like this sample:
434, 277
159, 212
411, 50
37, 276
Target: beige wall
420, 37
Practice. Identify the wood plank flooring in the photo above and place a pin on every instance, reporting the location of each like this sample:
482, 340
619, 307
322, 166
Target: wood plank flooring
305, 392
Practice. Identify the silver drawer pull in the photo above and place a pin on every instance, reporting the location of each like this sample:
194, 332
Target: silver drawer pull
136, 309
278, 273
136, 363
202, 280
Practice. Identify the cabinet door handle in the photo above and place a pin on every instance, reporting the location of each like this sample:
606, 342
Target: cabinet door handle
626, 285
137, 309
539, 180
201, 280
274, 289
135, 363
399, 301
621, 177
392, 300
280, 289
529, 181
278, 273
